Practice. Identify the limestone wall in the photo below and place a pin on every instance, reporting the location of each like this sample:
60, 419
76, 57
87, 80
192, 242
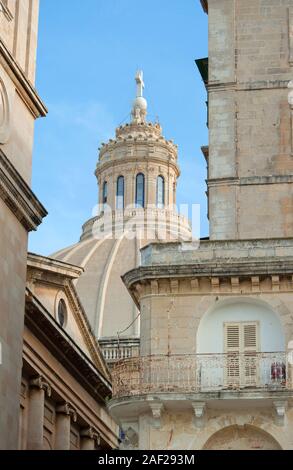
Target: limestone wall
13, 243
19, 208
221, 429
250, 136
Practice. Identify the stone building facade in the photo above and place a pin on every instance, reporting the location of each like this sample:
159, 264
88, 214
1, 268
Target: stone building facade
65, 380
215, 365
20, 210
54, 382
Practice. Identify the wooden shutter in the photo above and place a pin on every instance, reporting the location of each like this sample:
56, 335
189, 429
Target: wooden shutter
250, 348
232, 349
241, 347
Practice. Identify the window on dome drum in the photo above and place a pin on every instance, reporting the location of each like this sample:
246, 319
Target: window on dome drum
105, 192
120, 193
62, 313
139, 190
160, 192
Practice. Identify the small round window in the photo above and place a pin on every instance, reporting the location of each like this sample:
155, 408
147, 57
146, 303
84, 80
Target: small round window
62, 313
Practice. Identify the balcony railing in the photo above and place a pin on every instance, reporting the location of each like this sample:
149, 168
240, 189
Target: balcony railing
114, 350
201, 373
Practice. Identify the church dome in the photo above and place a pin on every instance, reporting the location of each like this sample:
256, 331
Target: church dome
137, 173
105, 299
105, 258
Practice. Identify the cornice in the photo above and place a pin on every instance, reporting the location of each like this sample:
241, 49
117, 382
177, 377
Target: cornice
5, 10
85, 328
64, 348
134, 142
217, 86
211, 278
25, 89
19, 197
102, 166
61, 278
250, 180
44, 263
215, 268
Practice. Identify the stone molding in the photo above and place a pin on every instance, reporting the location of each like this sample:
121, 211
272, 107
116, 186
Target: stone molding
210, 278
67, 409
199, 408
156, 409
25, 89
250, 180
91, 433
6, 12
41, 384
280, 407
217, 86
51, 272
19, 197
66, 350
38, 264
5, 124
103, 166
148, 134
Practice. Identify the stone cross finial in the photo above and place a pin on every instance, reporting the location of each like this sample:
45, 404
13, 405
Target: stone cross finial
139, 109
139, 83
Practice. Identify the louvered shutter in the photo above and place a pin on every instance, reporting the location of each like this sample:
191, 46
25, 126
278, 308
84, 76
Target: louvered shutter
241, 347
232, 350
250, 348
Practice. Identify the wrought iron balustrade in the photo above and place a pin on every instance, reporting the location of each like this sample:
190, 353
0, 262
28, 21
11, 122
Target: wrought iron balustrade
201, 373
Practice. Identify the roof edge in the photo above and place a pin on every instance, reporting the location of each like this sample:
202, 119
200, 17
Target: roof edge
48, 264
205, 6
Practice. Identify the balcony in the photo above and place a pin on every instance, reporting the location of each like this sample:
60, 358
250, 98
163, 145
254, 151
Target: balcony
202, 373
114, 350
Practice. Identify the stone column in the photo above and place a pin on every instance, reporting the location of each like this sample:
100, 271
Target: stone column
35, 434
64, 414
89, 439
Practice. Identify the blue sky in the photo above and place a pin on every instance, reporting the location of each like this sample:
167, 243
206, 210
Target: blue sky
88, 54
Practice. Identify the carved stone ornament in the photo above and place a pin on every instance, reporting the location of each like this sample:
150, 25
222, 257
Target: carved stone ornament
66, 409
4, 114
91, 433
40, 383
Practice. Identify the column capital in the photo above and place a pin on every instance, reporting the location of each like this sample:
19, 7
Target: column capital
67, 409
91, 433
40, 383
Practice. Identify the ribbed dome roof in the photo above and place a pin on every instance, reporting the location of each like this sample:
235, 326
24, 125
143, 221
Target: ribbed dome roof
107, 303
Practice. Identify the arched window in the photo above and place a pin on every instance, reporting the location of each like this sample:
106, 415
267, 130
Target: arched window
105, 192
62, 313
139, 190
160, 192
120, 193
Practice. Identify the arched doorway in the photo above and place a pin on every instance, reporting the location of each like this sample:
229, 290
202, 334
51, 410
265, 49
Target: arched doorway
241, 438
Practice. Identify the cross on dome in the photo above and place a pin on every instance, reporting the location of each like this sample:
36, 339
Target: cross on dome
139, 108
139, 83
